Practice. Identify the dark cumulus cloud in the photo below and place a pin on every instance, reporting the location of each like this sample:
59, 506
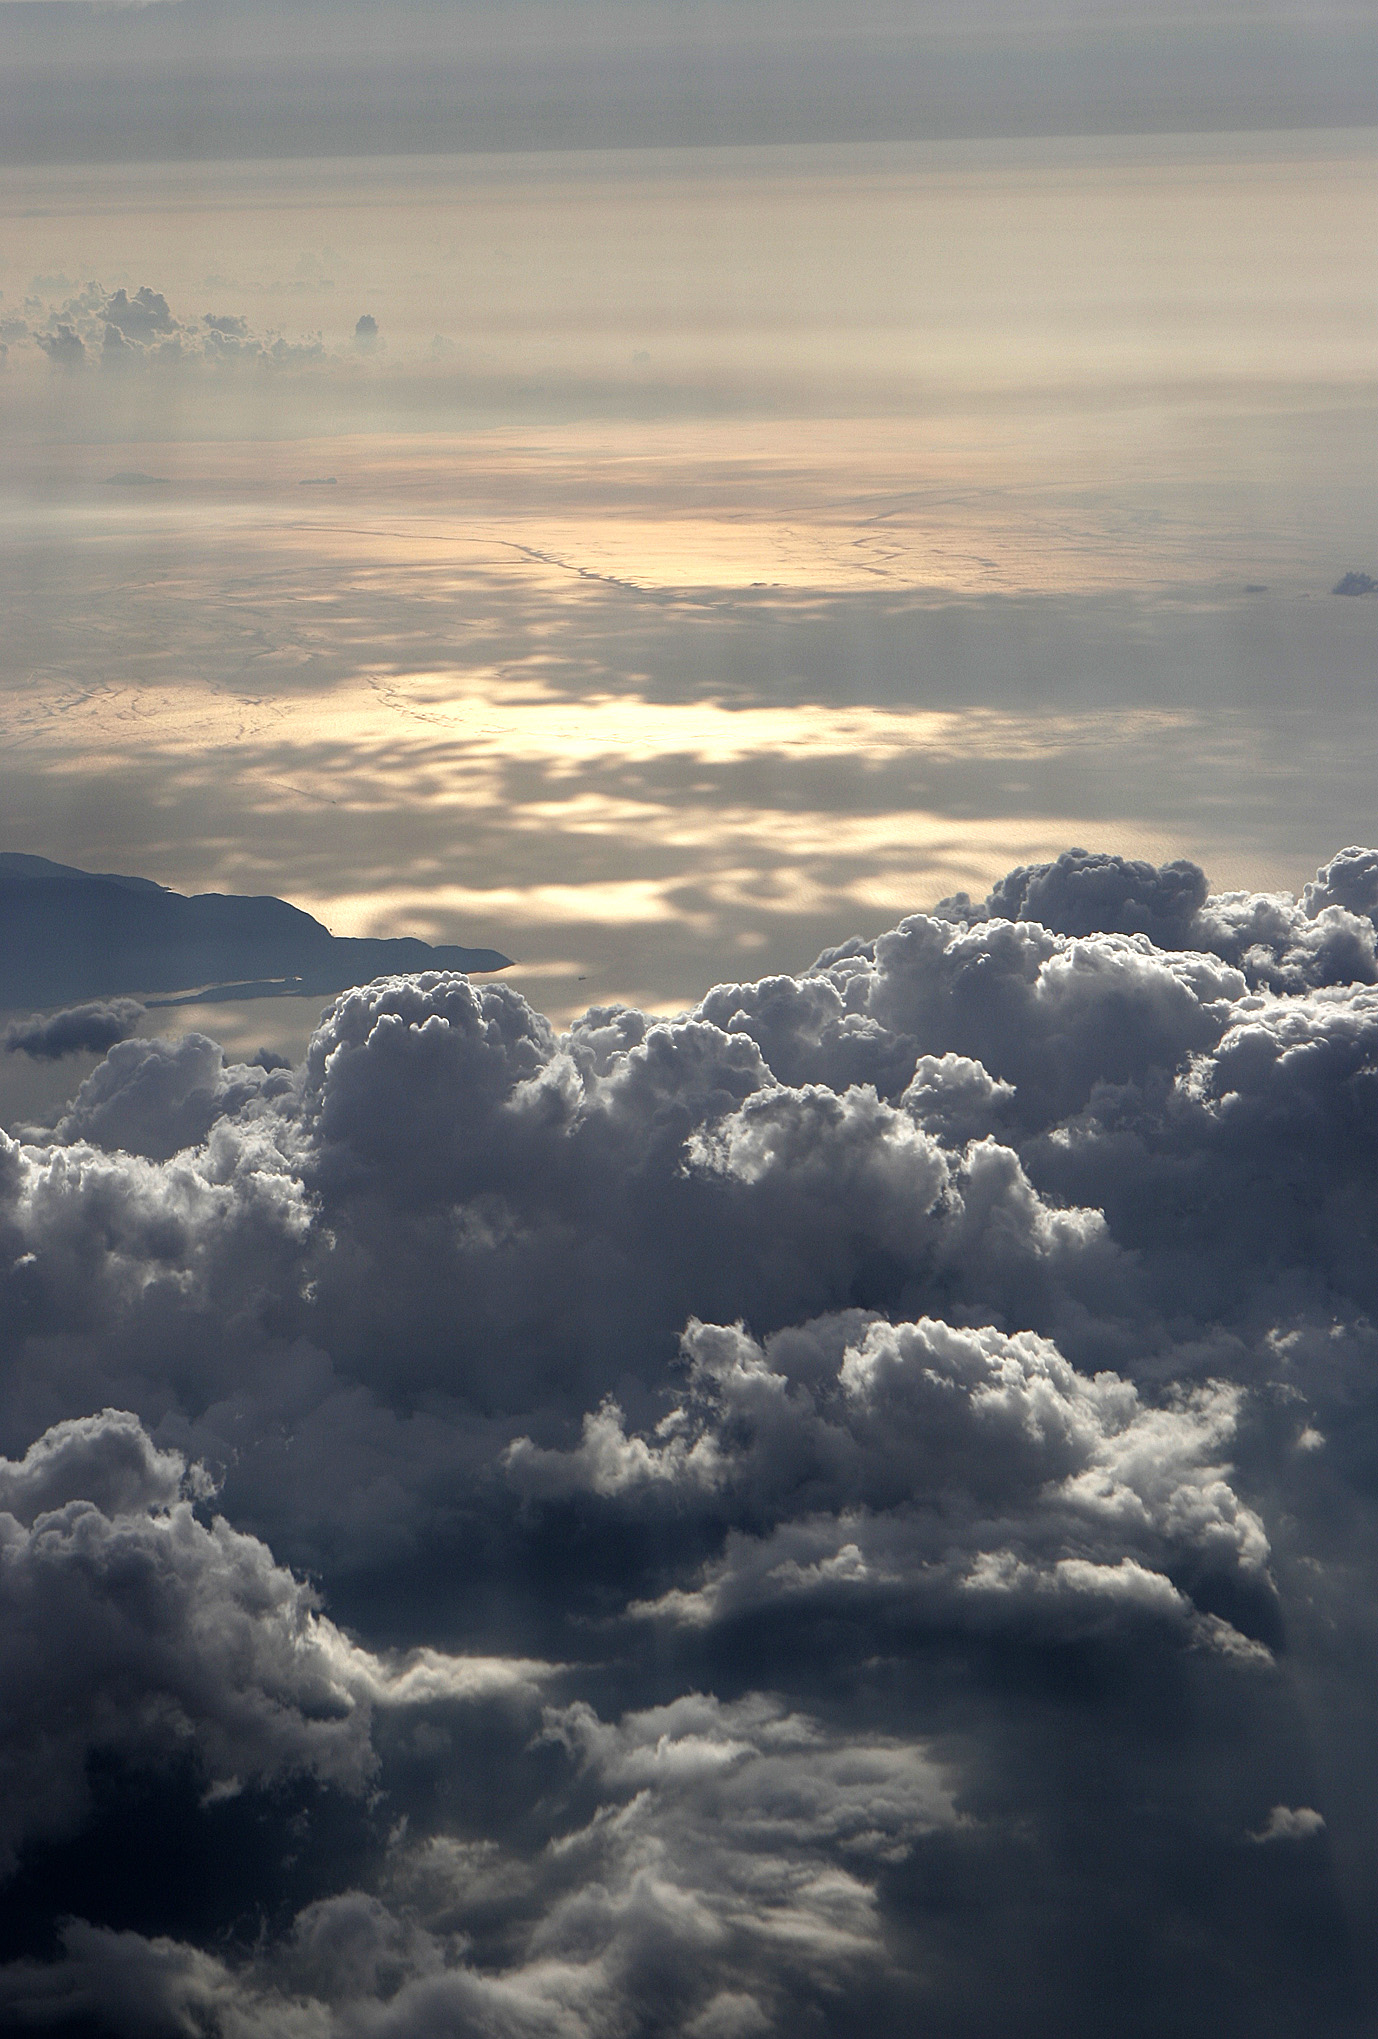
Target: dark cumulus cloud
850, 1510
1083, 893
88, 1029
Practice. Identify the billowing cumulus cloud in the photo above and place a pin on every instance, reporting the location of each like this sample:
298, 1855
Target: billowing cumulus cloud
122, 331
63, 345
89, 1029
793, 1495
134, 1627
1084, 894
970, 1474
154, 1097
1281, 942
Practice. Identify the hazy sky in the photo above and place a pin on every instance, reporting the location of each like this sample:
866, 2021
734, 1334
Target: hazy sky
216, 78
681, 1492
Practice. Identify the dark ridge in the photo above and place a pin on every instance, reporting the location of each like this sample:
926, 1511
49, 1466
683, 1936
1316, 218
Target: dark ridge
67, 935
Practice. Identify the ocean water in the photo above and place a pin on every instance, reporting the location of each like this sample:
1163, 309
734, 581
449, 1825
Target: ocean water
712, 553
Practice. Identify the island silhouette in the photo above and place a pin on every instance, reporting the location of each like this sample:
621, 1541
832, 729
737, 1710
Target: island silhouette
68, 934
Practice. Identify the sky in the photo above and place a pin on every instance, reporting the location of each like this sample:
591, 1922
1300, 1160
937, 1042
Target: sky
227, 79
801, 1459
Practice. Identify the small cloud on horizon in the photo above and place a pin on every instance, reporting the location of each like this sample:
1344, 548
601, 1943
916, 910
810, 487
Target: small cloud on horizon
1289, 1823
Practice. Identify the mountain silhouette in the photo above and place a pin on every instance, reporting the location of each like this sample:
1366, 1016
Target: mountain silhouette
67, 934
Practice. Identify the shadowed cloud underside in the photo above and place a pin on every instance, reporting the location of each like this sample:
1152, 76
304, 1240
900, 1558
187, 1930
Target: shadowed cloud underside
795, 1495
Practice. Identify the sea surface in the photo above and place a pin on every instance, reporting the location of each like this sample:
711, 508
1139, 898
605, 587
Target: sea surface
711, 554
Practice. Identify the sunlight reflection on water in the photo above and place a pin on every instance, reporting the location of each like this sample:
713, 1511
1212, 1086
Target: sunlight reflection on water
777, 541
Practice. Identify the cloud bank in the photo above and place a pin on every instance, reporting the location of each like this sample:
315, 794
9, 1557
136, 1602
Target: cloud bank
710, 1526
119, 332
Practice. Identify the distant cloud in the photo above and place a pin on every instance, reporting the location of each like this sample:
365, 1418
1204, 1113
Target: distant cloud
79, 1030
63, 346
1355, 584
1290, 1823
140, 331
145, 316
